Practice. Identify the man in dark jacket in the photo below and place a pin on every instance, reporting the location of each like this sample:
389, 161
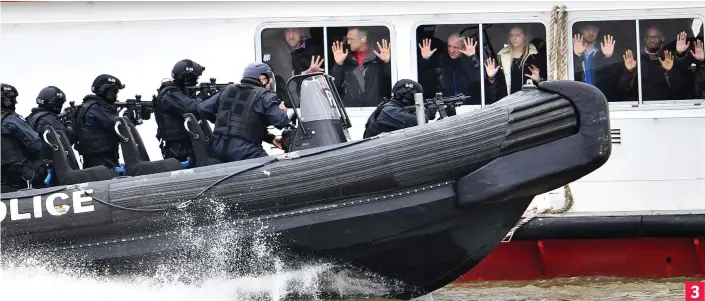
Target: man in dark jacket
22, 166
362, 75
393, 115
241, 114
296, 55
49, 103
173, 101
98, 143
661, 69
458, 71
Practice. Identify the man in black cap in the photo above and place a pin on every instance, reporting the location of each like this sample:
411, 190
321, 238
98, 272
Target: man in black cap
95, 121
393, 114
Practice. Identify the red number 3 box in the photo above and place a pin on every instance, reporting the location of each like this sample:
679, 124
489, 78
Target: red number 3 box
695, 291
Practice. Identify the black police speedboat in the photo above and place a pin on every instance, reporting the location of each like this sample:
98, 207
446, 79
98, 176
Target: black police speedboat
420, 206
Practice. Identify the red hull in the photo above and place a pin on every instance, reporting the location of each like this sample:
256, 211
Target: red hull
629, 257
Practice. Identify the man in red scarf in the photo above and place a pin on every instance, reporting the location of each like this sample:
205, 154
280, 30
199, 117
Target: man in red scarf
362, 75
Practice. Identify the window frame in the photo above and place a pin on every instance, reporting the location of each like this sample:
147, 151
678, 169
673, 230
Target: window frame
635, 15
339, 22
500, 18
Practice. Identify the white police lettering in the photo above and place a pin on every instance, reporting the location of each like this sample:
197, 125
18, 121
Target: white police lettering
78, 198
409, 86
110, 79
189, 69
59, 95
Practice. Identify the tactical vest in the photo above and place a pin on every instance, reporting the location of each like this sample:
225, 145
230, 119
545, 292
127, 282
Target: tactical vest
13, 150
170, 126
93, 139
235, 115
33, 119
374, 128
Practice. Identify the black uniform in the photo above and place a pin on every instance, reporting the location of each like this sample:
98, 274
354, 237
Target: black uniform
241, 114
49, 103
98, 143
21, 148
173, 101
393, 115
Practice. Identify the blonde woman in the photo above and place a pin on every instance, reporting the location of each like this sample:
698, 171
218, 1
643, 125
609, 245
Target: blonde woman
518, 62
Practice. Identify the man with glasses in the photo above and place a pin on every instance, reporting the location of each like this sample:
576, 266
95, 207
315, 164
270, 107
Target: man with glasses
661, 69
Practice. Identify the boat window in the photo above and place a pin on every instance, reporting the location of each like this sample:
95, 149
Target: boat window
640, 60
597, 50
668, 69
513, 54
447, 60
364, 76
288, 51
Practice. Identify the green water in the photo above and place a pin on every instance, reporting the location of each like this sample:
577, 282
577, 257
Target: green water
566, 289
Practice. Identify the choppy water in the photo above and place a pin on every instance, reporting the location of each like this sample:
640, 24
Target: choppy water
38, 284
566, 289
205, 277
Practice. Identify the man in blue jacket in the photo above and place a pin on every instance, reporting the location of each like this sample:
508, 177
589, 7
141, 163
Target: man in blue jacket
241, 114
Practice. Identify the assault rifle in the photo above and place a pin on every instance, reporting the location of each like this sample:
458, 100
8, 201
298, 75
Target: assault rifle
440, 103
210, 88
68, 112
136, 109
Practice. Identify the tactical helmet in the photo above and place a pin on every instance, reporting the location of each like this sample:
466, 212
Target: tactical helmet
9, 96
51, 98
254, 70
186, 72
107, 86
404, 91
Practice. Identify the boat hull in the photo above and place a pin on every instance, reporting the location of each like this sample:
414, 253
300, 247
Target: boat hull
661, 246
417, 207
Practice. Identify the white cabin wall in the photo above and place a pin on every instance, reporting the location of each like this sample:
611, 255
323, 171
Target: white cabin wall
659, 165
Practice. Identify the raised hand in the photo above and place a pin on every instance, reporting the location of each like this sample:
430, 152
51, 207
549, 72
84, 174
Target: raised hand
667, 62
338, 54
578, 47
607, 46
316, 62
699, 53
491, 68
426, 51
470, 45
383, 54
681, 43
629, 61
535, 73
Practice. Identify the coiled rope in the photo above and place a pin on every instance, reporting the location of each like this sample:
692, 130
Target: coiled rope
558, 69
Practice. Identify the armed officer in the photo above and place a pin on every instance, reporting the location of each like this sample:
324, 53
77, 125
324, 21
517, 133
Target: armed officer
393, 114
173, 101
22, 166
98, 143
49, 103
241, 114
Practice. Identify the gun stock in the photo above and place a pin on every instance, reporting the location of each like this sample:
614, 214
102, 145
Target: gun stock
68, 112
440, 103
137, 110
210, 87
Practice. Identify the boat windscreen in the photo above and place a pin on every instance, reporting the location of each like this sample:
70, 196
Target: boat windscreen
314, 98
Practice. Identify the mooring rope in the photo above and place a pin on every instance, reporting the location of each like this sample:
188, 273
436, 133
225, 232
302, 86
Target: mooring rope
558, 69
